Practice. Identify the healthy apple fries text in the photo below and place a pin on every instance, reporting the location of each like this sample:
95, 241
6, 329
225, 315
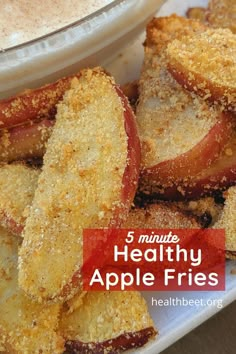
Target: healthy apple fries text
89, 178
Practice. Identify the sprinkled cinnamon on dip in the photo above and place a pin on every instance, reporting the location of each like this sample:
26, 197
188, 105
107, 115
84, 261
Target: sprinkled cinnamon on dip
24, 20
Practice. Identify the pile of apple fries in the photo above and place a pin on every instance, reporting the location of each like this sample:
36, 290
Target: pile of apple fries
219, 14
170, 166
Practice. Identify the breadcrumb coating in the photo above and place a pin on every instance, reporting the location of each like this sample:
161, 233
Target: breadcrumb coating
160, 216
222, 13
205, 208
170, 120
34, 104
206, 64
80, 186
17, 187
106, 315
25, 327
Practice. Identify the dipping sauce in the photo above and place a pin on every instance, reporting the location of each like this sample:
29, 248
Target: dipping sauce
24, 20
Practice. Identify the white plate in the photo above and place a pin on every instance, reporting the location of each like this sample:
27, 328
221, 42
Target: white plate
172, 322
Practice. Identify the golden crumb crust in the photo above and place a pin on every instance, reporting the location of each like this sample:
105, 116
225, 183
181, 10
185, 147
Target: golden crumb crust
32, 105
159, 216
170, 121
206, 64
17, 186
227, 220
222, 13
80, 186
25, 327
106, 315
206, 209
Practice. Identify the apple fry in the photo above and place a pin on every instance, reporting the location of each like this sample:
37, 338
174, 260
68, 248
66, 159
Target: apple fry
218, 177
40, 103
107, 322
26, 141
205, 63
17, 186
222, 13
88, 179
25, 327
33, 105
30, 138
214, 179
180, 134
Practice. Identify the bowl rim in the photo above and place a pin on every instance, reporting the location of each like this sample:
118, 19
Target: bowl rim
74, 24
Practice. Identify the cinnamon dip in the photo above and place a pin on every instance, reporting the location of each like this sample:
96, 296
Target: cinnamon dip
24, 20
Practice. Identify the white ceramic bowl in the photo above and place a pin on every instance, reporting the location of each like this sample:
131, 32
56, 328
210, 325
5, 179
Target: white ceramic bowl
94, 40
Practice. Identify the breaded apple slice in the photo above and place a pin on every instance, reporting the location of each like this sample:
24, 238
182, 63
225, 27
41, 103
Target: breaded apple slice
115, 320
227, 221
212, 180
89, 179
25, 327
17, 187
107, 322
205, 63
35, 104
222, 13
180, 134
29, 139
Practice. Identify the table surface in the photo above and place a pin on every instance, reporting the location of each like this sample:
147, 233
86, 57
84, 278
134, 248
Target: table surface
217, 335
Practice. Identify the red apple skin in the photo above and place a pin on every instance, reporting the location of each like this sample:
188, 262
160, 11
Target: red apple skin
10, 224
193, 161
25, 141
115, 345
132, 170
218, 94
218, 177
34, 104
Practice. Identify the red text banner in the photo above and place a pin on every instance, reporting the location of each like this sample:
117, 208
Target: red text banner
147, 259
